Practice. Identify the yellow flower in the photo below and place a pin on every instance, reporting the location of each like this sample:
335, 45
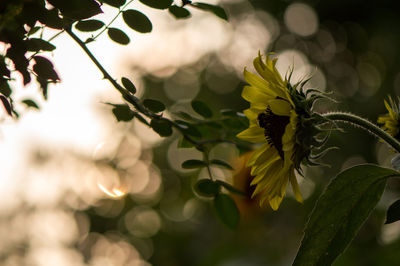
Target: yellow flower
279, 117
390, 121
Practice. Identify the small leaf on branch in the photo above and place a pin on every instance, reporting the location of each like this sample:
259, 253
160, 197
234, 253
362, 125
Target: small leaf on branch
202, 109
128, 85
36, 44
226, 210
154, 105
216, 10
162, 127
30, 103
6, 104
89, 25
33, 30
179, 12
122, 112
207, 188
158, 4
193, 164
118, 36
221, 163
51, 19
340, 211
393, 213
137, 21
44, 69
77, 9
114, 3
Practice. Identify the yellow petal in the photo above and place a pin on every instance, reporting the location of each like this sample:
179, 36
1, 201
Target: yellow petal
295, 186
253, 95
257, 153
280, 107
254, 134
275, 202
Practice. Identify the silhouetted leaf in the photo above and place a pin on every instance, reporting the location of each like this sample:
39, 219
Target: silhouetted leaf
77, 9
137, 21
202, 109
35, 45
5, 88
114, 3
393, 213
30, 103
51, 19
44, 69
4, 71
340, 211
216, 10
193, 164
6, 104
89, 25
159, 4
118, 36
122, 112
128, 85
226, 210
179, 12
221, 163
207, 188
154, 105
33, 30
162, 127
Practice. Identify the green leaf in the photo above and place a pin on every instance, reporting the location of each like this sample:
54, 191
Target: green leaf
77, 9
179, 12
340, 211
128, 85
231, 188
188, 128
118, 36
122, 112
393, 213
216, 10
221, 163
207, 188
33, 30
36, 44
89, 25
154, 105
193, 164
184, 143
158, 4
137, 21
6, 104
44, 69
51, 19
30, 103
185, 115
114, 3
162, 127
202, 109
226, 210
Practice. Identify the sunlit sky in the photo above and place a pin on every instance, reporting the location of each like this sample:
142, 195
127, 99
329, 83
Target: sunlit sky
75, 126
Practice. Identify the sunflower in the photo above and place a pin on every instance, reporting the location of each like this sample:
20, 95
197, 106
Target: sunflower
390, 121
280, 117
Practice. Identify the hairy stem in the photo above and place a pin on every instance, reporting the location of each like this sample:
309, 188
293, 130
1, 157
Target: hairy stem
366, 125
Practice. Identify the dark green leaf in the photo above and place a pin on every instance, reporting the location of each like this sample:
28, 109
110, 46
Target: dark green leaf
340, 211
122, 112
33, 30
162, 127
35, 45
184, 115
188, 128
202, 109
231, 188
5, 88
179, 12
44, 69
207, 188
128, 85
154, 105
51, 19
118, 36
114, 3
6, 104
89, 25
30, 103
192, 164
216, 10
77, 9
221, 163
226, 210
159, 4
137, 21
393, 213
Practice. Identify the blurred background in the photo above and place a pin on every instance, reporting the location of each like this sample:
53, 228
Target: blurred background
79, 188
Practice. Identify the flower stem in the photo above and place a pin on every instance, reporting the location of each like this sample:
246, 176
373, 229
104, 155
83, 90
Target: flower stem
364, 124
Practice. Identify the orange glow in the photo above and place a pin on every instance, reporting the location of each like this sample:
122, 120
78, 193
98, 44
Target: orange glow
114, 193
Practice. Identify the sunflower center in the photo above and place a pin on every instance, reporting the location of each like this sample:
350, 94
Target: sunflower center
274, 128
